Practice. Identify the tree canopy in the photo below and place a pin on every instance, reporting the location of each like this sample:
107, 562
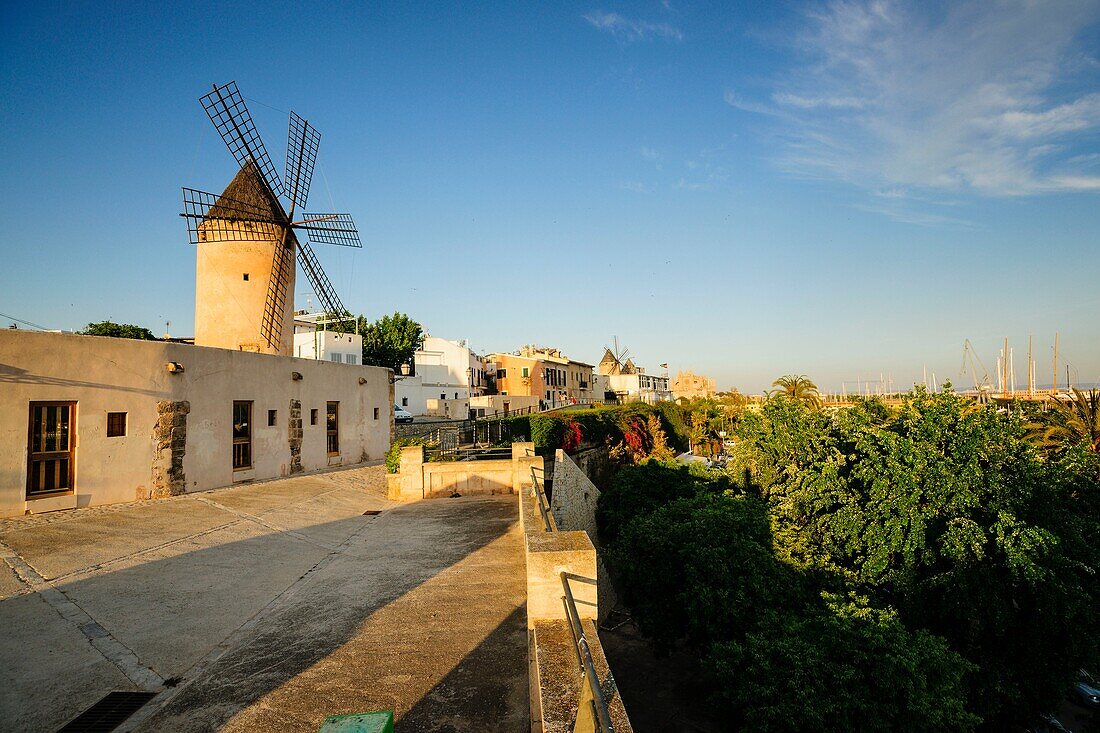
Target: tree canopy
797, 387
390, 341
924, 568
118, 330
1069, 423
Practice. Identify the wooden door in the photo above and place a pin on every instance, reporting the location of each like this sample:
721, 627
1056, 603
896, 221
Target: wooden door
51, 453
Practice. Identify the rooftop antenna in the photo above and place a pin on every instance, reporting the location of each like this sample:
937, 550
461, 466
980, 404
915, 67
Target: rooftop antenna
260, 209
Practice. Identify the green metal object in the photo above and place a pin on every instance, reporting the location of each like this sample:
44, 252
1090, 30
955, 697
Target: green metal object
376, 722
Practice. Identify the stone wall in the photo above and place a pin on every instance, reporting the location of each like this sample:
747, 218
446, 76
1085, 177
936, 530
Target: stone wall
574, 496
170, 435
294, 436
574, 508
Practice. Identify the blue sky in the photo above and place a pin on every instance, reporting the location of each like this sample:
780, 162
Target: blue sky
841, 189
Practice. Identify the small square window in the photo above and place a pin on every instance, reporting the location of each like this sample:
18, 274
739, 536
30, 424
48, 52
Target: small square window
271, 417
404, 401
116, 424
313, 416
376, 413
246, 277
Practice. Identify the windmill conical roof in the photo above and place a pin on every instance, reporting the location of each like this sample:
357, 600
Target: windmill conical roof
247, 191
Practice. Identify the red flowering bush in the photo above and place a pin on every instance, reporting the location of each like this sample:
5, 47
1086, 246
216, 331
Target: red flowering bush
572, 437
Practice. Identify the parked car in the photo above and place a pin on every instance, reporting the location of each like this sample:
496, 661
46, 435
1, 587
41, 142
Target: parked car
401, 415
1086, 692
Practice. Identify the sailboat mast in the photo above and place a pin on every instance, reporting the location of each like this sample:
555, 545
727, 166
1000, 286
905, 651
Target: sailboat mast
1054, 384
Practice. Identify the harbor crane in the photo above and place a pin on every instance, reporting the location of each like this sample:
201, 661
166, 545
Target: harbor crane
973, 361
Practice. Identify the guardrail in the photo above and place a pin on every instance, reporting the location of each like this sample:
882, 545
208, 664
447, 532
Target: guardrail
592, 710
540, 497
597, 704
468, 454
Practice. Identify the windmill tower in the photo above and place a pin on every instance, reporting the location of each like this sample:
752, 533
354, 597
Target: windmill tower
247, 240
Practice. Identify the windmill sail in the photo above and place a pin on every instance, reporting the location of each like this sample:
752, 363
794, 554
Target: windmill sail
303, 140
226, 108
330, 229
212, 218
282, 275
330, 301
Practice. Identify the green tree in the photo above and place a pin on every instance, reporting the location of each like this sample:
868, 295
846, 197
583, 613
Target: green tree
843, 667
696, 561
390, 341
1076, 421
971, 557
946, 513
797, 387
118, 330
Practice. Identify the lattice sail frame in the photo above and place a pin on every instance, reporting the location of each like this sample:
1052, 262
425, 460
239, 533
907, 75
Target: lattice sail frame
302, 143
226, 108
330, 229
235, 220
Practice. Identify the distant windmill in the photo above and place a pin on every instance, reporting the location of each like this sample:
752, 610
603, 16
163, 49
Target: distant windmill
247, 239
614, 360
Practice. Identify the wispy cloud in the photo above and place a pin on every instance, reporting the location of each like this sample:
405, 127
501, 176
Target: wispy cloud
630, 29
984, 97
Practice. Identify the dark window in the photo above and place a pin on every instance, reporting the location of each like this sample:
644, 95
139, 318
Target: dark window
313, 416
271, 417
242, 435
51, 451
404, 401
376, 413
442, 395
116, 424
246, 277
456, 395
502, 373
332, 428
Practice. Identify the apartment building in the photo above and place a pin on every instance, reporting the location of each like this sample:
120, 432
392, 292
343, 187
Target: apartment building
442, 369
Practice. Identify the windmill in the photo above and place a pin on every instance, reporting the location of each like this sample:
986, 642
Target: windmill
615, 360
248, 239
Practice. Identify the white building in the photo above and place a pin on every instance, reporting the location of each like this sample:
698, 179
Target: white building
312, 340
630, 383
639, 387
442, 370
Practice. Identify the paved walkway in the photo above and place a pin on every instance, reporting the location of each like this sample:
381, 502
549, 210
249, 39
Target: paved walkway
268, 607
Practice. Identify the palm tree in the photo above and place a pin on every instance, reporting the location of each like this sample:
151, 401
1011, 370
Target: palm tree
1076, 421
797, 387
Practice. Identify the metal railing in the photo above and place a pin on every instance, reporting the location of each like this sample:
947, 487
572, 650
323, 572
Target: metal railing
592, 710
449, 453
544, 508
595, 715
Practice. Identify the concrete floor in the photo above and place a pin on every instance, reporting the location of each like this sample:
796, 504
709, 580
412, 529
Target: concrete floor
268, 607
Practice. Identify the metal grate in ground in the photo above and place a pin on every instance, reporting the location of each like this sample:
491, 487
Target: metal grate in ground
108, 713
